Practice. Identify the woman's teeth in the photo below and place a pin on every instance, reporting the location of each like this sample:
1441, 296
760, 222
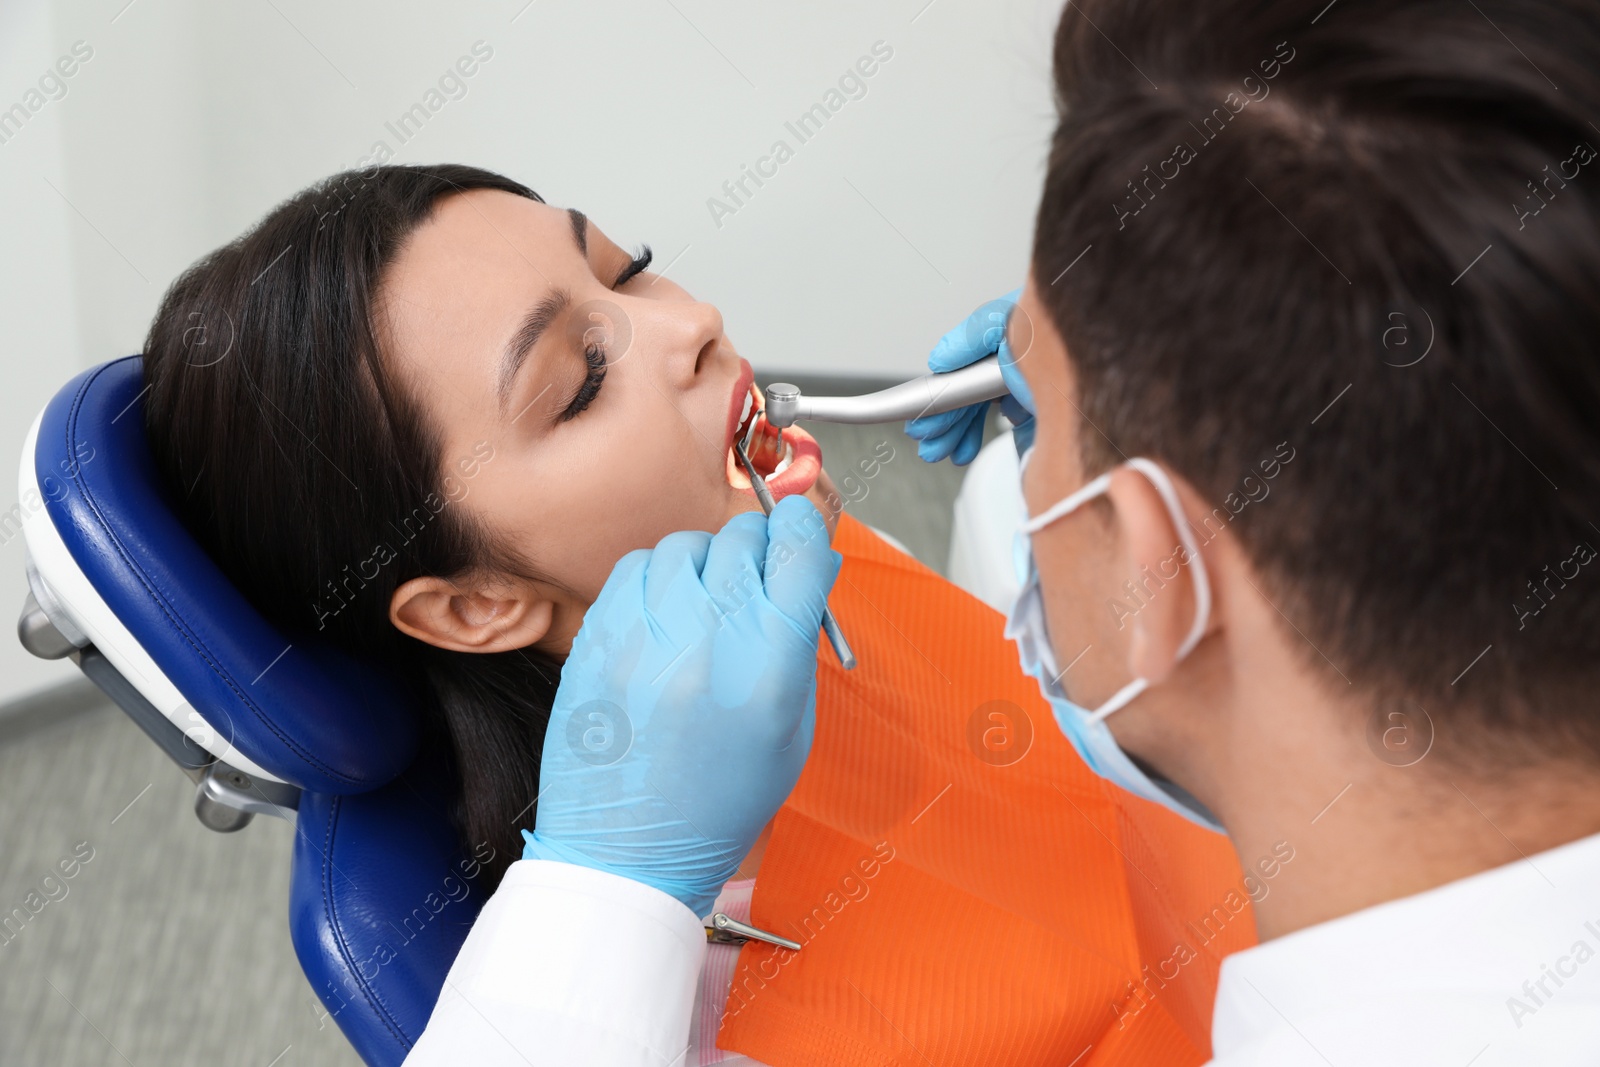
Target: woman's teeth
762, 450
769, 452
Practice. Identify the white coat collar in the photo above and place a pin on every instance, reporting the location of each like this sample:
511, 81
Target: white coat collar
1502, 967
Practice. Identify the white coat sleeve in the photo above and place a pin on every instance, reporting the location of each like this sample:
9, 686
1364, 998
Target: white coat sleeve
567, 965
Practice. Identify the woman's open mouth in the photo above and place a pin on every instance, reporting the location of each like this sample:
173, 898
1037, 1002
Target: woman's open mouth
789, 460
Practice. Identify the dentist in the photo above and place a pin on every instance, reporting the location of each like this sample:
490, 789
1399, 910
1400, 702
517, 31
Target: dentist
1314, 486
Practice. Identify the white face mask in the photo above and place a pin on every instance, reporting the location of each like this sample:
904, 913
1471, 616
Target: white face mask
1026, 626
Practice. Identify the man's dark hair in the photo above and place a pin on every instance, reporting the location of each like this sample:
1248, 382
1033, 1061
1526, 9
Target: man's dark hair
1367, 231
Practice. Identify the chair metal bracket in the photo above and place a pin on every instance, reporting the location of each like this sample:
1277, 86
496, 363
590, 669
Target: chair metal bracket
226, 798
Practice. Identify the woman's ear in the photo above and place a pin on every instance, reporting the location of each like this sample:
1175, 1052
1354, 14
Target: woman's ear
470, 618
1157, 564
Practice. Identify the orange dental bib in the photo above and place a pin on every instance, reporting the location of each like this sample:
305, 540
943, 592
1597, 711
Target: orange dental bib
965, 889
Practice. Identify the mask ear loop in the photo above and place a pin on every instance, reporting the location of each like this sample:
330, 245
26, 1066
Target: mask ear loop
1067, 504
1169, 496
1202, 582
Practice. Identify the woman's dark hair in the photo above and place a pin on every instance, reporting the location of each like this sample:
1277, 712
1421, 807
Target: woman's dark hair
319, 485
1364, 234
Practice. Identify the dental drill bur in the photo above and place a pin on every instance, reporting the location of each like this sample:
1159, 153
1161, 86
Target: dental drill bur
830, 625
930, 394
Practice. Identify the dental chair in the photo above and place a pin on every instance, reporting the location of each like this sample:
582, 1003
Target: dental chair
265, 722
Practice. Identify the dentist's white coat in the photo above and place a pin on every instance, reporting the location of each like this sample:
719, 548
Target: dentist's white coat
566, 965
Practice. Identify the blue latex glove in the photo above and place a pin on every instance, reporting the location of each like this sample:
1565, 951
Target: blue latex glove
686, 707
958, 434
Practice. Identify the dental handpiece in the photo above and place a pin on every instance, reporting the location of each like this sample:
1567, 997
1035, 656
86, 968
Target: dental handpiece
930, 394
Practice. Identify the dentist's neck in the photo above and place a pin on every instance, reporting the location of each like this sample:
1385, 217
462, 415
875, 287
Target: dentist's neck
1371, 803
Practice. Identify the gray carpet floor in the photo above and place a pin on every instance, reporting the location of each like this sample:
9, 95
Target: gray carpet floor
168, 945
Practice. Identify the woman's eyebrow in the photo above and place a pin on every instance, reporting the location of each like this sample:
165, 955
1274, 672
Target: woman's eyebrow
539, 317
580, 229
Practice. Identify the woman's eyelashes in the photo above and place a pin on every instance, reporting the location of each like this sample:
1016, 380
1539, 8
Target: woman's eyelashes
635, 266
594, 354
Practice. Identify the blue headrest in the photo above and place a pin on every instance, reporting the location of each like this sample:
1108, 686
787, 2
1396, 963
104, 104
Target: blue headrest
301, 709
381, 897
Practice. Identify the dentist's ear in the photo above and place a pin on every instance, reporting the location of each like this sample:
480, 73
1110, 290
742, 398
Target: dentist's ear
1154, 559
470, 618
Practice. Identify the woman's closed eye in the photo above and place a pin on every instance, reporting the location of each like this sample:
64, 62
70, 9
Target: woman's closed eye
594, 349
635, 266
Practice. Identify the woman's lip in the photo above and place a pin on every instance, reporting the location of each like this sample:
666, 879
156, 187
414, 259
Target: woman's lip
741, 389
805, 467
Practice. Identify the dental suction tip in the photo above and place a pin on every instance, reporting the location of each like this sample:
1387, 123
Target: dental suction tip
783, 404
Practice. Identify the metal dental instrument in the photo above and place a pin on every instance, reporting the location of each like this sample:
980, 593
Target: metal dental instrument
726, 930
930, 394
830, 625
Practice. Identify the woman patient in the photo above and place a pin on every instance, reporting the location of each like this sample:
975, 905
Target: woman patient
422, 413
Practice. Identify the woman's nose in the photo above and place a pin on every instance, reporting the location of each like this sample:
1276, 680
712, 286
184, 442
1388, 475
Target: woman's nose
691, 332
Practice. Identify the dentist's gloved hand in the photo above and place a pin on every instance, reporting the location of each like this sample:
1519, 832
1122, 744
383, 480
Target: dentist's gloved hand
958, 434
686, 708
